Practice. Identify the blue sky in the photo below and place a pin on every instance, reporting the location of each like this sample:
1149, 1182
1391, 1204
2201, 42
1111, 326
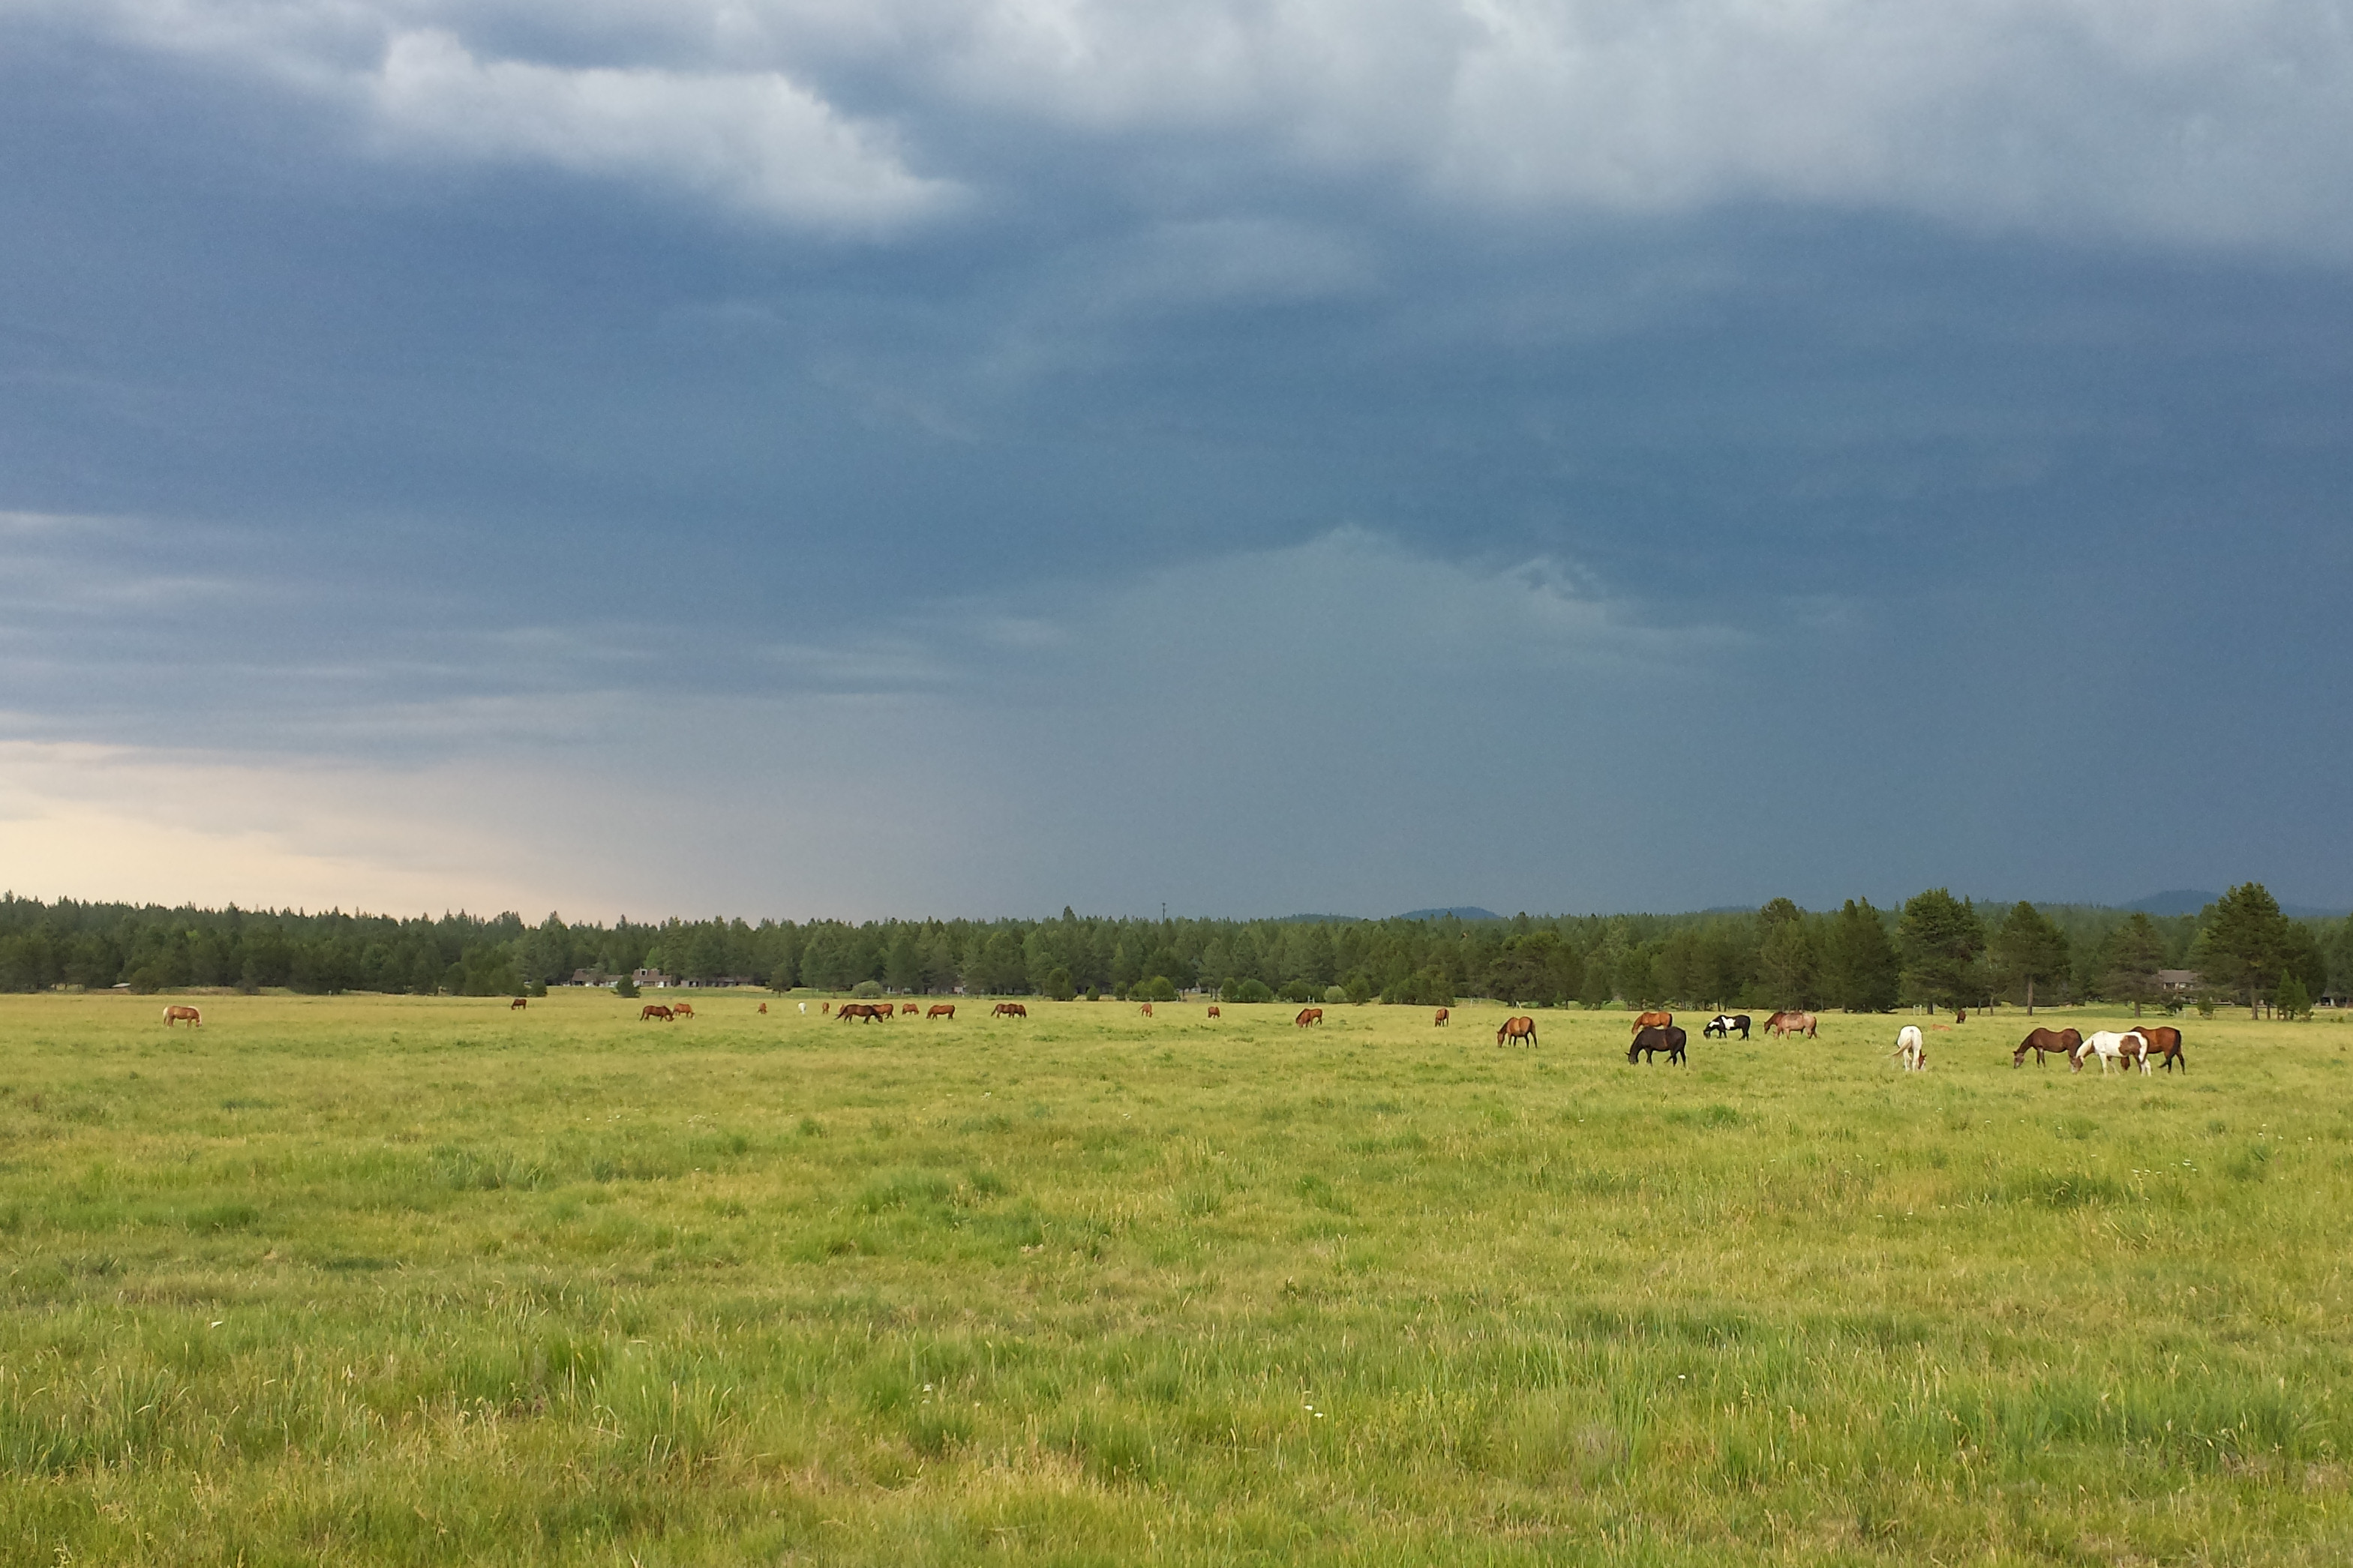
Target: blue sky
799, 457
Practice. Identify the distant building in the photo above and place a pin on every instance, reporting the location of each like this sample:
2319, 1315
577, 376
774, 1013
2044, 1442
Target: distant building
722, 980
2178, 982
590, 977
653, 977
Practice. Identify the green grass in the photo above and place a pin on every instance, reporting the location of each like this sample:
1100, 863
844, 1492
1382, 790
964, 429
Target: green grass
409, 1280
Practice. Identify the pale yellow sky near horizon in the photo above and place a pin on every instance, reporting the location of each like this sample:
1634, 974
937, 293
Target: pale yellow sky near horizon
111, 823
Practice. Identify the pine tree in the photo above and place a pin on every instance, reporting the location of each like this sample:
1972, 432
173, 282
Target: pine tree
1860, 969
2135, 953
2242, 945
2027, 948
1940, 937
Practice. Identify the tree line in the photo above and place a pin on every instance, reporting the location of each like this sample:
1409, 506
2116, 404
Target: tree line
1934, 948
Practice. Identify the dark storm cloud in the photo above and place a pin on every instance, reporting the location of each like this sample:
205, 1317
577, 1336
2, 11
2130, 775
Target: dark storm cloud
1300, 459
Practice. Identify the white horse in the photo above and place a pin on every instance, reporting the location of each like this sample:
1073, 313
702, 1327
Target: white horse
2112, 1046
1912, 1046
804, 1009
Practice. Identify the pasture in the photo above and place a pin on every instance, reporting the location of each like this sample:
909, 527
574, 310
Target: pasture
398, 1279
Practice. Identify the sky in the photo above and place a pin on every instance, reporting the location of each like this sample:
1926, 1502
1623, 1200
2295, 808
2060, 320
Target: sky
797, 458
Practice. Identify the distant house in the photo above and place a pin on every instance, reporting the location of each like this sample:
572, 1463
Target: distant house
590, 977
654, 977
2178, 982
722, 980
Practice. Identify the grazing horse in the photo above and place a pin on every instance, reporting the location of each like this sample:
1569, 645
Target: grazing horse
1522, 1027
1654, 1021
1440, 1022
1724, 1023
1308, 1016
1213, 1010
1147, 1009
909, 1009
1786, 1024
865, 1012
655, 1010
2164, 1040
1667, 1039
942, 1010
682, 1009
1009, 1010
2109, 1047
1912, 1046
2047, 1043
518, 1002
764, 1006
177, 1015
823, 1009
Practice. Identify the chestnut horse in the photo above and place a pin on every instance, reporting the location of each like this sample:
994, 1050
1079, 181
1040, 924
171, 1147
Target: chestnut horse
177, 1015
1309, 1015
1519, 1028
655, 1010
682, 1009
1213, 1010
942, 1010
1655, 1021
1147, 1009
1440, 1022
2164, 1040
1009, 1010
2047, 1043
518, 1002
909, 1009
1787, 1024
764, 1006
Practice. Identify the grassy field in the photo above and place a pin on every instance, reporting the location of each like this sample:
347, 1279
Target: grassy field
365, 1280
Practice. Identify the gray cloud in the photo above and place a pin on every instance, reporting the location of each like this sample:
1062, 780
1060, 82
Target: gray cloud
2182, 123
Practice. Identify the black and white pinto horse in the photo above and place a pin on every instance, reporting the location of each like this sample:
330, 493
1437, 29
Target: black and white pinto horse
1722, 1026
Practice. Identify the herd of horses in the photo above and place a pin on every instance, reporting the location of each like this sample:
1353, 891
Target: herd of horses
1655, 1032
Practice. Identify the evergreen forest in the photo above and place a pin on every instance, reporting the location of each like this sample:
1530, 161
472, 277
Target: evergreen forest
1934, 948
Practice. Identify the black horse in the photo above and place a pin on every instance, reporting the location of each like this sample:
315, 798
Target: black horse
1669, 1039
1723, 1023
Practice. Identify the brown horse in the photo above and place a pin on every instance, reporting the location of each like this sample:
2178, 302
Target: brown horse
2047, 1043
1669, 1039
1655, 1021
827, 1007
2164, 1040
518, 1002
682, 1009
764, 1006
1213, 1010
1522, 1027
865, 1012
942, 1010
1440, 1022
909, 1009
1309, 1015
1009, 1010
1147, 1009
655, 1010
177, 1015
1786, 1024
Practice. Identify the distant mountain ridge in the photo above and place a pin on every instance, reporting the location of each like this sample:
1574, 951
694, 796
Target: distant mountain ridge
2189, 900
1459, 911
